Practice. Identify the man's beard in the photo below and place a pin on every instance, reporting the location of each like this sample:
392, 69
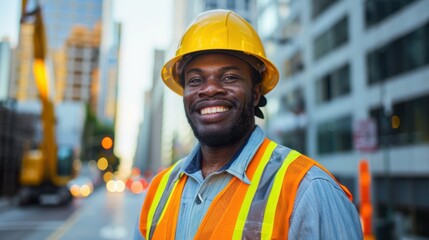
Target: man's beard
229, 134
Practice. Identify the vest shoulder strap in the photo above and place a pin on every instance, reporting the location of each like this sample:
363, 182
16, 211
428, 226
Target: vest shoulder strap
154, 195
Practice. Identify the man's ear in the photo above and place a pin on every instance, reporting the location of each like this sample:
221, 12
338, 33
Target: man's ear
257, 91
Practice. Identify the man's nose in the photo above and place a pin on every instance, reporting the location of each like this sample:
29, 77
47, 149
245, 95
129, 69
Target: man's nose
211, 88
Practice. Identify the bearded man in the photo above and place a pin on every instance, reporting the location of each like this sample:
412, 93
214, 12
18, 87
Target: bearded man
237, 183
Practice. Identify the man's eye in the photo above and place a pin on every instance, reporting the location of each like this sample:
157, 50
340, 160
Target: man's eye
230, 78
194, 81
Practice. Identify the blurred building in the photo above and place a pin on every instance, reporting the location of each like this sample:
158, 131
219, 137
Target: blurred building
83, 44
109, 64
109, 91
16, 130
82, 77
148, 151
5, 66
22, 85
349, 69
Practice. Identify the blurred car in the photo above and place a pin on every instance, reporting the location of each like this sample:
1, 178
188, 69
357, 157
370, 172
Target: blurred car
81, 187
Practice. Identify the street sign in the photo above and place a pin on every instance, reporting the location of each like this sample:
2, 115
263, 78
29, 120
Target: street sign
365, 135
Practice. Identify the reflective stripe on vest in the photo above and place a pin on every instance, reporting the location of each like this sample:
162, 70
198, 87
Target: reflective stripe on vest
264, 192
240, 210
161, 198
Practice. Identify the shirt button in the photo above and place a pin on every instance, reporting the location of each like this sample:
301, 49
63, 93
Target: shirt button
199, 199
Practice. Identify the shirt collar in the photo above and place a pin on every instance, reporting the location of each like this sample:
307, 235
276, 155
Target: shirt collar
237, 166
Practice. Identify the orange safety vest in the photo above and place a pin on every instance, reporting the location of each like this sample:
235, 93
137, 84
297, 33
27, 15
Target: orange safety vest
239, 210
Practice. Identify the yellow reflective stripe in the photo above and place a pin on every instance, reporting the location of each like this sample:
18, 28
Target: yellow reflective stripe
157, 198
168, 200
270, 211
250, 193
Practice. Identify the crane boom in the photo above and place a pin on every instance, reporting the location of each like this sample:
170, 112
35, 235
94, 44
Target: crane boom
40, 166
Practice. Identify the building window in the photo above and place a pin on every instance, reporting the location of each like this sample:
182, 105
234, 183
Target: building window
334, 84
408, 123
331, 39
293, 102
77, 84
335, 136
77, 73
294, 65
376, 10
230, 5
289, 31
246, 5
295, 139
211, 4
268, 20
292, 109
320, 6
399, 56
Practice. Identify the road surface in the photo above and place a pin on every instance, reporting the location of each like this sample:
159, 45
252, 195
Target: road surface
103, 215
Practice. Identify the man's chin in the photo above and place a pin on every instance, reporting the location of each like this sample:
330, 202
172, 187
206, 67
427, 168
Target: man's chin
214, 136
225, 132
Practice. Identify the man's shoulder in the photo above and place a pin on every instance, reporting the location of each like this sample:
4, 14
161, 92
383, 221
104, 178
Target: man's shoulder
316, 172
317, 179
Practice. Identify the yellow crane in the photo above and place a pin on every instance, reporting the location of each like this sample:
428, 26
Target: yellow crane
45, 171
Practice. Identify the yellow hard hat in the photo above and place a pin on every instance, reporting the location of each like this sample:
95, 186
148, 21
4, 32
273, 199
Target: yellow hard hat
220, 30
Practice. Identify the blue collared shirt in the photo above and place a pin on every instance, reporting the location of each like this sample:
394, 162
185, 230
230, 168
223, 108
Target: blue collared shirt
321, 210
199, 193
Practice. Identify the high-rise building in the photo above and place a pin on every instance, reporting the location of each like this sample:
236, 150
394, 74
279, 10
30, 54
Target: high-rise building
354, 84
5, 66
82, 42
109, 62
109, 98
23, 87
82, 51
148, 151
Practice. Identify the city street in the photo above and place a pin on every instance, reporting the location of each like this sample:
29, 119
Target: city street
103, 215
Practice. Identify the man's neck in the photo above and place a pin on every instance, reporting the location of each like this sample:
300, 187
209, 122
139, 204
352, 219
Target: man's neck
214, 158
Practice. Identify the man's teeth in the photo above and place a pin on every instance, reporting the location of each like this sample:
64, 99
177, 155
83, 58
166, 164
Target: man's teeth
211, 110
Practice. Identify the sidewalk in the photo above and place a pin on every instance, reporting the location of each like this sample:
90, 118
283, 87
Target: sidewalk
4, 203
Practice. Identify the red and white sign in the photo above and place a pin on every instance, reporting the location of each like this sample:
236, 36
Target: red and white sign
365, 135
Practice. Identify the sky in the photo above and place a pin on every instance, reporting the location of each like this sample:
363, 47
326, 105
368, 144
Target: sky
9, 12
146, 25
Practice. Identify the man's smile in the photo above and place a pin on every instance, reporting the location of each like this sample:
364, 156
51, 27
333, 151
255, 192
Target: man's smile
213, 110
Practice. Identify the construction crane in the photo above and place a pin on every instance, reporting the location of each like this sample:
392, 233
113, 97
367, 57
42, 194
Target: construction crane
46, 170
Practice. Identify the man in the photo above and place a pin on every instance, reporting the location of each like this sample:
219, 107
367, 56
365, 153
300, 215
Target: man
236, 183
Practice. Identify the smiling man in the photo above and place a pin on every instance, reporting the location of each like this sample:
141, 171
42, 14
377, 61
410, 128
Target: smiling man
236, 183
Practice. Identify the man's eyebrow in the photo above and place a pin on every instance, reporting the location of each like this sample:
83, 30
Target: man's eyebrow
194, 70
223, 69
228, 68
